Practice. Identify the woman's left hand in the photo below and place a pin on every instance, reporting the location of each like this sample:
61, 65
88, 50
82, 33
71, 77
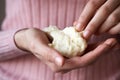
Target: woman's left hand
99, 16
93, 52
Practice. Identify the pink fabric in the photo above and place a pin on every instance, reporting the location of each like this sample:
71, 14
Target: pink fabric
8, 48
41, 13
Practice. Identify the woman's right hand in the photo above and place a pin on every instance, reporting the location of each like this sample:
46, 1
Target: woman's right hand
36, 42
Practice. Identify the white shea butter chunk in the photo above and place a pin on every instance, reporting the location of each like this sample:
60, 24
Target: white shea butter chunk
68, 41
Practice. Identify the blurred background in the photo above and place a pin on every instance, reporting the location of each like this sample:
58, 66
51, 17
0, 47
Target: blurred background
2, 10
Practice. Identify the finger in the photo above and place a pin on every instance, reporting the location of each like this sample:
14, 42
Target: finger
56, 68
49, 54
100, 50
77, 62
111, 21
115, 29
100, 17
74, 23
88, 13
52, 66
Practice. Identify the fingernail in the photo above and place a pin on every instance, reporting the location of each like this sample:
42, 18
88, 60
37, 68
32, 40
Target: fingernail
86, 34
78, 26
111, 43
114, 43
58, 61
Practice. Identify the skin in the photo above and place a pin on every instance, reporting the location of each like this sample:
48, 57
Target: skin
99, 16
36, 42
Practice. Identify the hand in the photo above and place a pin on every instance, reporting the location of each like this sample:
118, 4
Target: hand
89, 57
36, 42
100, 16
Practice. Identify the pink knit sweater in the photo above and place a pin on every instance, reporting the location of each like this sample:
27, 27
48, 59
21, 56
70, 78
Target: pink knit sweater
16, 64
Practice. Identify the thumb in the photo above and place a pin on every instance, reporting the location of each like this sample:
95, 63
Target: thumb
51, 55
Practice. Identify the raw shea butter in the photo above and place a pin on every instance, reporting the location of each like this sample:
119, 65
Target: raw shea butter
68, 41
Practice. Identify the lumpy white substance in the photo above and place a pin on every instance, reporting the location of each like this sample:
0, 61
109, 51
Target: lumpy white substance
68, 41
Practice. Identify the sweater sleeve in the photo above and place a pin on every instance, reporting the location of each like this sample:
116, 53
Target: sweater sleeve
8, 48
18, 15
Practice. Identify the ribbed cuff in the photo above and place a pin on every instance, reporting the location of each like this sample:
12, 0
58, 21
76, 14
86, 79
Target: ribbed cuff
8, 48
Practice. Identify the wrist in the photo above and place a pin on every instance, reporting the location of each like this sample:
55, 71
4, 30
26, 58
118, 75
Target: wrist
20, 39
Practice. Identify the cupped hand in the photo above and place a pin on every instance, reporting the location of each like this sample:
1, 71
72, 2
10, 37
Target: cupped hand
91, 55
36, 42
99, 16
